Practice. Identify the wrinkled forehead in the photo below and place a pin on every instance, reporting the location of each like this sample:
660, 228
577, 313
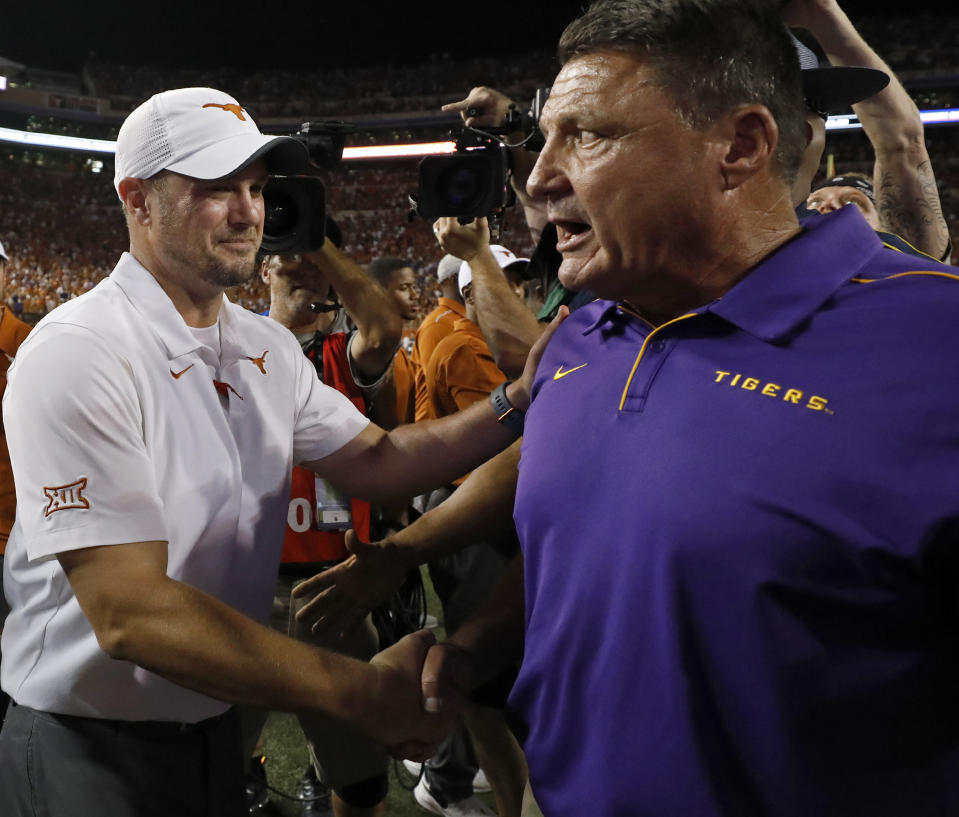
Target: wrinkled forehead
589, 81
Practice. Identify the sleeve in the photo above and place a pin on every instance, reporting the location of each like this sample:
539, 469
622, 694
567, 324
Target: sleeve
325, 420
83, 474
12, 332
471, 376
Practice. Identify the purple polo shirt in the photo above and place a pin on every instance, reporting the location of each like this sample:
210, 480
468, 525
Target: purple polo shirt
741, 537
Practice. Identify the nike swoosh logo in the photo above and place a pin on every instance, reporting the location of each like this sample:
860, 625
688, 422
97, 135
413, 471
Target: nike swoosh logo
560, 373
176, 375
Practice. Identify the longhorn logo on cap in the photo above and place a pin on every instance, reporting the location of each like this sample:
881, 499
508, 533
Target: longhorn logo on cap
232, 107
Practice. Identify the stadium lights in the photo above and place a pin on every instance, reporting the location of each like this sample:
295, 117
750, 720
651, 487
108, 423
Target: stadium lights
942, 116
53, 140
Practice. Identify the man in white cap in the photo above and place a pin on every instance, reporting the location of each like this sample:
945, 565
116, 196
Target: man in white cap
150, 509
13, 331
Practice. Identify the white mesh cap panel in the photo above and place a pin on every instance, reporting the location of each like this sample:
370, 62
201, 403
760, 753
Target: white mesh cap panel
149, 147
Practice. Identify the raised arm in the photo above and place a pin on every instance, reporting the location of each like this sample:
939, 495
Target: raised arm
418, 457
906, 194
491, 108
508, 326
378, 326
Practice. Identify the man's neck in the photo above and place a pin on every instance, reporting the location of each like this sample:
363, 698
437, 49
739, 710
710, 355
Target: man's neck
198, 303
737, 247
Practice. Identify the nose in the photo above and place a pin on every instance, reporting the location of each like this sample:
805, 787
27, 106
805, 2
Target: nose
246, 208
546, 177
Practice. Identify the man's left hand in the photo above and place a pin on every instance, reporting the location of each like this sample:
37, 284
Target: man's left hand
344, 594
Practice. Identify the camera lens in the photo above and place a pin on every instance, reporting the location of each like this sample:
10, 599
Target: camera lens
461, 185
281, 214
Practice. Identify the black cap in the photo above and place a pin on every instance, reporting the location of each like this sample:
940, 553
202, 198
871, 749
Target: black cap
832, 89
859, 182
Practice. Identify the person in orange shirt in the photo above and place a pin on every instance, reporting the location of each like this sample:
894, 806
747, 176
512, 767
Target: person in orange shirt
461, 371
12, 334
436, 326
398, 278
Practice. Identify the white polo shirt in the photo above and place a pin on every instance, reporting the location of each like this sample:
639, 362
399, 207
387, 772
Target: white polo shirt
117, 434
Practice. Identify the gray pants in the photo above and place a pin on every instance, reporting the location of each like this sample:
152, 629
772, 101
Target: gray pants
461, 580
63, 766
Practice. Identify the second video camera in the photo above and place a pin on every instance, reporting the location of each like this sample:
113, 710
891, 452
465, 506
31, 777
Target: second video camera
296, 205
474, 181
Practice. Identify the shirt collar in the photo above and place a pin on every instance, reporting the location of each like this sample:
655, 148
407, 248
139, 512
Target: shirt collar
453, 306
789, 285
161, 316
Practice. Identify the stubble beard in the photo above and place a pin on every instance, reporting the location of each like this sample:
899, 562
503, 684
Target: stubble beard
207, 267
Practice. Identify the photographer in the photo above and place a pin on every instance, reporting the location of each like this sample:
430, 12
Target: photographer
305, 290
508, 326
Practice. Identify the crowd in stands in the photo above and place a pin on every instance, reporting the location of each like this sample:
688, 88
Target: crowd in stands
64, 230
923, 42
63, 226
325, 92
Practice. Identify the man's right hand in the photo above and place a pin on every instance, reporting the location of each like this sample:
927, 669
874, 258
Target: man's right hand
465, 241
346, 593
490, 106
394, 712
447, 679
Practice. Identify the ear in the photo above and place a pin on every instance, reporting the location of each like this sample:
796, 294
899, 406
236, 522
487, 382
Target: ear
752, 135
134, 192
265, 270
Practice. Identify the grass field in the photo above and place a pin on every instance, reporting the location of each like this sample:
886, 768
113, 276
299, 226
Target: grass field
286, 756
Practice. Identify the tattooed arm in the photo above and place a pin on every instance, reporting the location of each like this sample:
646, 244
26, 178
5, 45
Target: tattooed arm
906, 194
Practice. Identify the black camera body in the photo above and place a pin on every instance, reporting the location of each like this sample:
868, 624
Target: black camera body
296, 205
295, 214
471, 183
474, 181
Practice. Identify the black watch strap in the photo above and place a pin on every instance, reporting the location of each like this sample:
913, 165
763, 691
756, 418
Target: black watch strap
506, 412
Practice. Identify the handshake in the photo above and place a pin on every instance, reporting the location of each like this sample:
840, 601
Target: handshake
418, 689
418, 695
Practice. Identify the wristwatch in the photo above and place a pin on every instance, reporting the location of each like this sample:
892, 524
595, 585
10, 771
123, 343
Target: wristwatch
506, 412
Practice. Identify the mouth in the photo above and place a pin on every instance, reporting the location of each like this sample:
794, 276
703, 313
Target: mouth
239, 244
571, 234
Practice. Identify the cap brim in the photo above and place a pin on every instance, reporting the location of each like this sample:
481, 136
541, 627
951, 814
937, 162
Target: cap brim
834, 89
283, 155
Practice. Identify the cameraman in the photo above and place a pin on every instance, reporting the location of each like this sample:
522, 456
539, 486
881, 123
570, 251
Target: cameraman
304, 289
509, 327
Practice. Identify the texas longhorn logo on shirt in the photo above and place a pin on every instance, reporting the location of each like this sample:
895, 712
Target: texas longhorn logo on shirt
63, 497
259, 362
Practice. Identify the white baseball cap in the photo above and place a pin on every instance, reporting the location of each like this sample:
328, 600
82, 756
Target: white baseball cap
448, 267
202, 133
504, 257
3, 253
